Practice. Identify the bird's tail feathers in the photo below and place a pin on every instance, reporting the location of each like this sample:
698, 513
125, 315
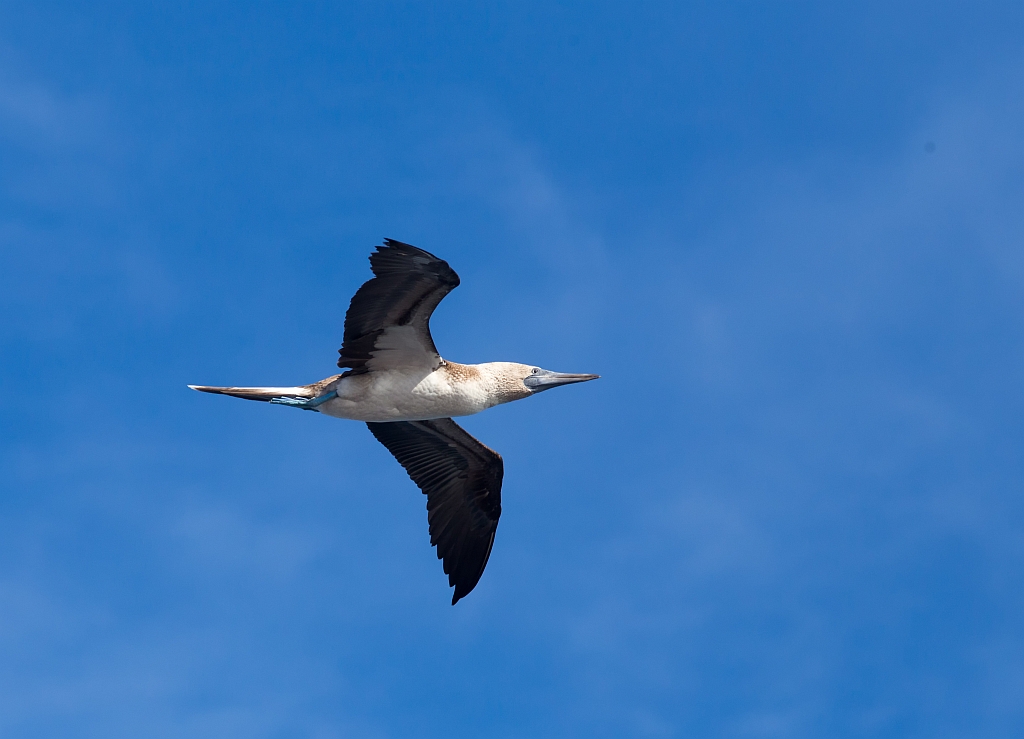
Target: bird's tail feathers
296, 395
306, 397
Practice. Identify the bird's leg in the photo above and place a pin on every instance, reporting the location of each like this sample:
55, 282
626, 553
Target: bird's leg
306, 404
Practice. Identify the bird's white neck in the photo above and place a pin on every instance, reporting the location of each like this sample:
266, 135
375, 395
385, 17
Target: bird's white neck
498, 382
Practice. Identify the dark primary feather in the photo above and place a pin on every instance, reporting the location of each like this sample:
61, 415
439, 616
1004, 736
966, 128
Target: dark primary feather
462, 481
408, 284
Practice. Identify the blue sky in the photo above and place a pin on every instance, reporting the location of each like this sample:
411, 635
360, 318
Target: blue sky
789, 236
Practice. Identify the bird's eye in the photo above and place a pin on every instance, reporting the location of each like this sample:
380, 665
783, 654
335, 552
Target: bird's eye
536, 370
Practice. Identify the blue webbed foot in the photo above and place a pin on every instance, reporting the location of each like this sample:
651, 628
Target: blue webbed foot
306, 404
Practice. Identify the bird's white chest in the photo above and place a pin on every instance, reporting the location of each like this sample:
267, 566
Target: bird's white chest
402, 395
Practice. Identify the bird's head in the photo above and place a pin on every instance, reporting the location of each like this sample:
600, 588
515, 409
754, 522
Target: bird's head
516, 381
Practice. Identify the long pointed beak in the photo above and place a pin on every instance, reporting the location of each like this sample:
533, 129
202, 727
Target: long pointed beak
546, 379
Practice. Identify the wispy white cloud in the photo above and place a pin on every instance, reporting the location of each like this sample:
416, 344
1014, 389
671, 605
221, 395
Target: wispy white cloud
828, 258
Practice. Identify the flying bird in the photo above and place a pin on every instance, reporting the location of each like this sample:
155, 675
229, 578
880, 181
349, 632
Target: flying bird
396, 382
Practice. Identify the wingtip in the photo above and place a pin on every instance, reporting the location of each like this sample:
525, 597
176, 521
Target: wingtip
395, 244
461, 593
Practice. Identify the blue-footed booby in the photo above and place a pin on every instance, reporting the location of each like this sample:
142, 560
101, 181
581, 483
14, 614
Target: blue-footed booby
397, 383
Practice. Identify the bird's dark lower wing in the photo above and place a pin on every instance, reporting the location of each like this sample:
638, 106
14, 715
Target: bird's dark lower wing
462, 481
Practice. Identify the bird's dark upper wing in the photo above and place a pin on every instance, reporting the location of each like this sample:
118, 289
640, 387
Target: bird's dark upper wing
387, 324
462, 481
